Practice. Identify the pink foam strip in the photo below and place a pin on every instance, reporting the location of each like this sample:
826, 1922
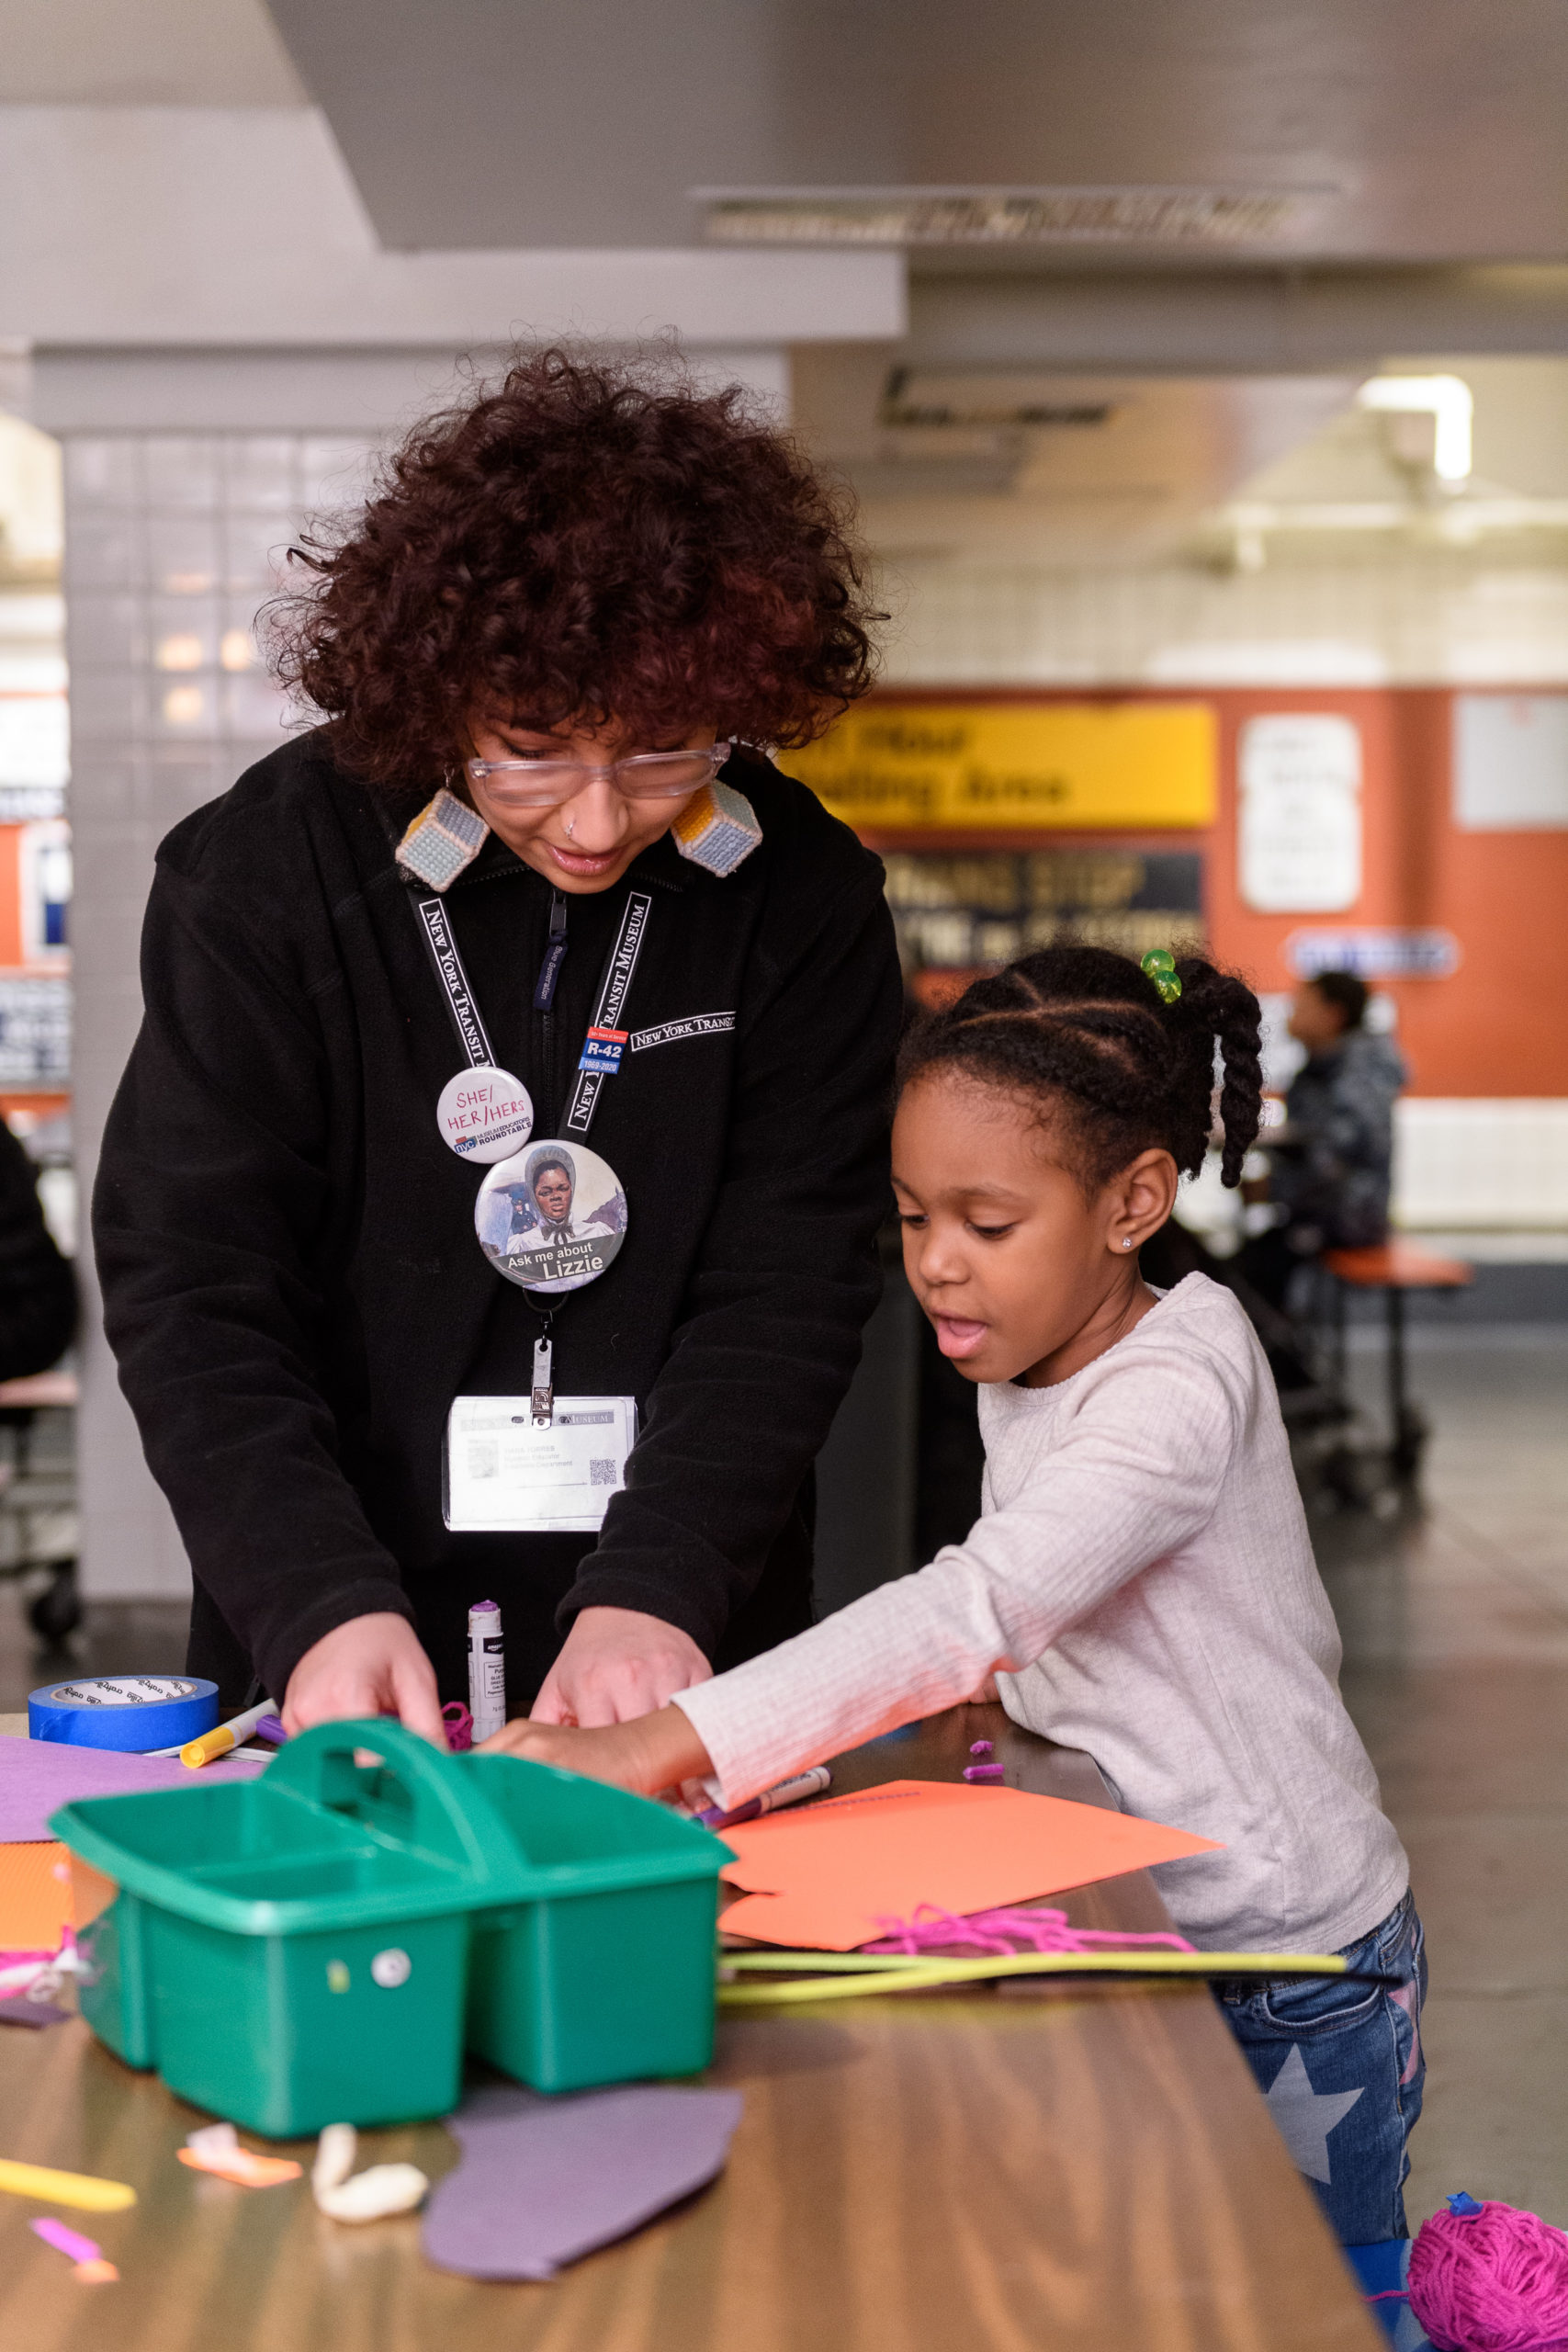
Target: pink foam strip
66, 2241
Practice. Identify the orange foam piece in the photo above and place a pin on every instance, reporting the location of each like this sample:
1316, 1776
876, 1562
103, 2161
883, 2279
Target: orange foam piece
243, 2167
827, 1876
35, 1897
99, 2273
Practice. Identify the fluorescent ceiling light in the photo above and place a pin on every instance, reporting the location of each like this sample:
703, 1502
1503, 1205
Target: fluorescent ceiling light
1447, 399
1002, 216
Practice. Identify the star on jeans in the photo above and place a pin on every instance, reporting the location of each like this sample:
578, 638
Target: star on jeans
1304, 2118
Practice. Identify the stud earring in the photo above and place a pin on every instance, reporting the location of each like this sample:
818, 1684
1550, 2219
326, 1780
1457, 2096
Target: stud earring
1126, 1245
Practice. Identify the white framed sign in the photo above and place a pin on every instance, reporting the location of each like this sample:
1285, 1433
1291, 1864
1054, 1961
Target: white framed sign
1510, 758
1300, 816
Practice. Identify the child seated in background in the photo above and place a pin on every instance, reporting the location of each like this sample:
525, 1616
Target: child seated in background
1140, 1579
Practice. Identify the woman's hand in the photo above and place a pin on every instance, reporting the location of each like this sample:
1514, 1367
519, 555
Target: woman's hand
372, 1666
615, 1664
649, 1753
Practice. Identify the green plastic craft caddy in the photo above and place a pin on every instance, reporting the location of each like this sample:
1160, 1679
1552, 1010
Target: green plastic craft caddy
321, 1944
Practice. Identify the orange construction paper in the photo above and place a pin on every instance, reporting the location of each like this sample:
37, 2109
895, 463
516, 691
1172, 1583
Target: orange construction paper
35, 1897
830, 1875
243, 2167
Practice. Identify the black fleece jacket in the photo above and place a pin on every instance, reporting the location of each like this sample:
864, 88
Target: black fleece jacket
291, 1280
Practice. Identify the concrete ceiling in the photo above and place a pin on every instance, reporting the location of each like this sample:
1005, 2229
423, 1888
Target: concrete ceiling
1126, 465
144, 53
1436, 127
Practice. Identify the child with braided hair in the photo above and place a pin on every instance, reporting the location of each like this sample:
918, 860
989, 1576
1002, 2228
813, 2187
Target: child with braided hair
1140, 1580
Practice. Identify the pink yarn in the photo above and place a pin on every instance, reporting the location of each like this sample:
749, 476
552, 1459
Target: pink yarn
1001, 1932
459, 1727
1495, 2280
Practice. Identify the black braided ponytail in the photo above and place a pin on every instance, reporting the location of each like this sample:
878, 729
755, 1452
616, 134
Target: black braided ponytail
1086, 1033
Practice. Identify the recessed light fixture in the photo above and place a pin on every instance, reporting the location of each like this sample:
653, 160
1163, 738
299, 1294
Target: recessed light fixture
929, 398
1003, 216
1447, 399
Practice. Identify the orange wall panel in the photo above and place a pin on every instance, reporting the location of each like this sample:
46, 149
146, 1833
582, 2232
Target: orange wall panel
1499, 1025
10, 896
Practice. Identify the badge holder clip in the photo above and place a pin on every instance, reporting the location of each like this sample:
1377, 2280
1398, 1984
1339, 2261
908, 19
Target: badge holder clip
543, 1397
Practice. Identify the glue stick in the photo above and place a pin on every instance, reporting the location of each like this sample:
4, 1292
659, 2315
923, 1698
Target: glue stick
487, 1670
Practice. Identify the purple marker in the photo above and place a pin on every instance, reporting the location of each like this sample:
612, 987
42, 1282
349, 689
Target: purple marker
487, 1670
795, 1791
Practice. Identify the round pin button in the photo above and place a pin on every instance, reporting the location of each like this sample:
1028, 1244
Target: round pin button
485, 1113
391, 1968
552, 1217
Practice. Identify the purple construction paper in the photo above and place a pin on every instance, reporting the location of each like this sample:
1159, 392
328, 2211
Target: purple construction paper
543, 2180
37, 1775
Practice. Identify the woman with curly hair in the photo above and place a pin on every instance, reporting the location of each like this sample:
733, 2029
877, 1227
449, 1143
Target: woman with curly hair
537, 868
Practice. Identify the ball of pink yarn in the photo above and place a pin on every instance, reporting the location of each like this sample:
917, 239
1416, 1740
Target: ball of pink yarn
1490, 2280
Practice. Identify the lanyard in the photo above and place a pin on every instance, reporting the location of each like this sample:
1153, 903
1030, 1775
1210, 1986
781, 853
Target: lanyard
606, 1038
461, 1003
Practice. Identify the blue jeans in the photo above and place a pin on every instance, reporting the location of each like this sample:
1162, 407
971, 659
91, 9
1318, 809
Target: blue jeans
1342, 2070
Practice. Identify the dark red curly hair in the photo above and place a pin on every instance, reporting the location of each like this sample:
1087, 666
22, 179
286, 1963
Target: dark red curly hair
594, 540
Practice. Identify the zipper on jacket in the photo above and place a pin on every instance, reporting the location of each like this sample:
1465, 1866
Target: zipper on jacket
544, 988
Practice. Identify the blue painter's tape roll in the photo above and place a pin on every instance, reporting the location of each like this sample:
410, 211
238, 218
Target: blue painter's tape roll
134, 1711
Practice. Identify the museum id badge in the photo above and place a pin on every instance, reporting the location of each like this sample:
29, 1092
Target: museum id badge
505, 1475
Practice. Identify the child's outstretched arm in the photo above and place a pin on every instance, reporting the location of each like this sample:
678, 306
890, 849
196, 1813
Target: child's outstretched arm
1135, 1476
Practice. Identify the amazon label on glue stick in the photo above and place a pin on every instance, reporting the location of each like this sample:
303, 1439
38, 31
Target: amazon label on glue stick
487, 1670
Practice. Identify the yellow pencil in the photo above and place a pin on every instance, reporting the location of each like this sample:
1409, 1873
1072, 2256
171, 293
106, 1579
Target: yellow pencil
82, 2190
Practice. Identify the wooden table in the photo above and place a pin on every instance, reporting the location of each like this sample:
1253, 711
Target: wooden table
1072, 2170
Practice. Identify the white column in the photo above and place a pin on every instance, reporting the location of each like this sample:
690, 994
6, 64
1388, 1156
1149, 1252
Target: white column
170, 541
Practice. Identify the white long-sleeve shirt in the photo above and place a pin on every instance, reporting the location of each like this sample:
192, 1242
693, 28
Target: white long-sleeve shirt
1142, 1575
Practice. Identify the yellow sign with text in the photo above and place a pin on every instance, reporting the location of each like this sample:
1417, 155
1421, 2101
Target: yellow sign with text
947, 767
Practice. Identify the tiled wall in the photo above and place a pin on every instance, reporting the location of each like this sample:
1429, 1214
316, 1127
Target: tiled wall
173, 543
1425, 616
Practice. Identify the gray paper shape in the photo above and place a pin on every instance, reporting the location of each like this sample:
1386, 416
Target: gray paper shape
543, 2180
19, 2011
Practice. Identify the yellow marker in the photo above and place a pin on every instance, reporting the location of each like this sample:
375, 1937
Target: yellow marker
80, 2189
222, 1738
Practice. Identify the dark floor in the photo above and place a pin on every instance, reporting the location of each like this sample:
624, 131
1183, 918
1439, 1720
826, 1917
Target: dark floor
1455, 1616
1455, 1620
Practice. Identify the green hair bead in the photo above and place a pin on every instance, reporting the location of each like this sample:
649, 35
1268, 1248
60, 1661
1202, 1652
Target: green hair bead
1159, 966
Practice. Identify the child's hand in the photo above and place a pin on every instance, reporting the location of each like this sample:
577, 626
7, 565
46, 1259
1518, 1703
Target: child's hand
650, 1753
